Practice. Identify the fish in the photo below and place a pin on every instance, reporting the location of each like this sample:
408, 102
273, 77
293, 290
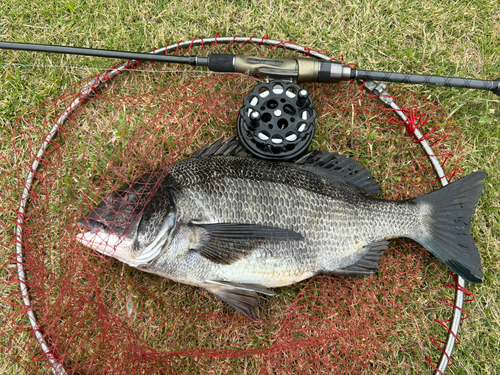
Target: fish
239, 226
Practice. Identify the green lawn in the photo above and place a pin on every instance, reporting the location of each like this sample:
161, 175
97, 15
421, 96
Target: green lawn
451, 38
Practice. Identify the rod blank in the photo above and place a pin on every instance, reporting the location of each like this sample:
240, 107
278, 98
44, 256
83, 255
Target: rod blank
189, 60
417, 79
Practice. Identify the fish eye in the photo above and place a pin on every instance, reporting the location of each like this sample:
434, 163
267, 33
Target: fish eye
118, 200
98, 225
121, 196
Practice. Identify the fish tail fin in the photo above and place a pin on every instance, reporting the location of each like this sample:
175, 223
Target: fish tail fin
450, 239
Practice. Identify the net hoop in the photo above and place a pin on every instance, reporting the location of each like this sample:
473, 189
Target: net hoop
377, 91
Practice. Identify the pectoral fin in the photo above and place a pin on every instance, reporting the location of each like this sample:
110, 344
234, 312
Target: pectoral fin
224, 243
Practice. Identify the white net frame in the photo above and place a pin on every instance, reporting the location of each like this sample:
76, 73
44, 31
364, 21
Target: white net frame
377, 90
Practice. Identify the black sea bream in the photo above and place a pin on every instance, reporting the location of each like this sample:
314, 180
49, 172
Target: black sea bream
238, 225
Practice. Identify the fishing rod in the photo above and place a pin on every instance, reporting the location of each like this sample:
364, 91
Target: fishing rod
299, 69
277, 120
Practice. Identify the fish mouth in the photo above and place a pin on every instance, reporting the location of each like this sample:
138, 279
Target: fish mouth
98, 236
104, 243
108, 244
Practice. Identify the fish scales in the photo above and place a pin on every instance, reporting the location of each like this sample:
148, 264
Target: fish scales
335, 221
238, 226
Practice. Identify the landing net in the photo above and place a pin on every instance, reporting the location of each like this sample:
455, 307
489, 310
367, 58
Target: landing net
95, 315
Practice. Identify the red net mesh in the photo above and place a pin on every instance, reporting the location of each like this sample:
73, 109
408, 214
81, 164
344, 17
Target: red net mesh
100, 316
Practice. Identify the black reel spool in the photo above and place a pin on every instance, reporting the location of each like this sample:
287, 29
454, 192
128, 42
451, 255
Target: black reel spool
277, 121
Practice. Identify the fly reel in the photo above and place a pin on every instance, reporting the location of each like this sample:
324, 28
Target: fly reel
277, 121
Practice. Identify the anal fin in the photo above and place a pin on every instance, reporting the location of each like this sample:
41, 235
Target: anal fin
367, 264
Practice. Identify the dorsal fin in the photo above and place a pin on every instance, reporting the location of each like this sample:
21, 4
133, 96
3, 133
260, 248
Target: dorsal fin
340, 168
333, 166
231, 147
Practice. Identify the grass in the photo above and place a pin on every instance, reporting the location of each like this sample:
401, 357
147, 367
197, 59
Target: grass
429, 37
